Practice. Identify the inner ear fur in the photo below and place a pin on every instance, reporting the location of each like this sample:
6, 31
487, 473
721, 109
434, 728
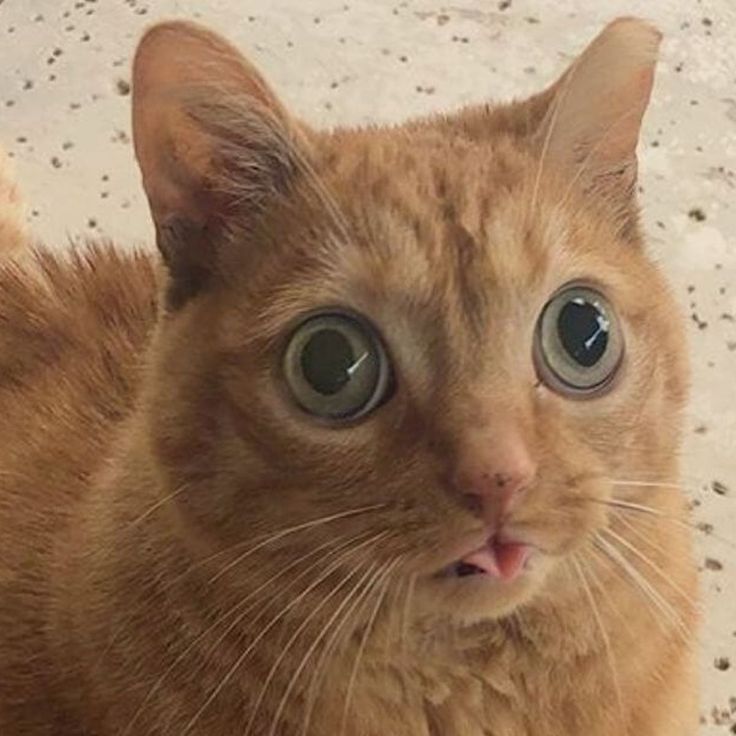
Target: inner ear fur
212, 141
592, 126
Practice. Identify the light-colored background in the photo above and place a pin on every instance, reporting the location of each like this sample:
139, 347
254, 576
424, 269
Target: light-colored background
64, 108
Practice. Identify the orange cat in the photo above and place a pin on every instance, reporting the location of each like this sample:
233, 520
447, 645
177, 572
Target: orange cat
393, 455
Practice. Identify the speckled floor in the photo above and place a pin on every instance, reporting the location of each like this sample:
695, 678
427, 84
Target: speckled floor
64, 110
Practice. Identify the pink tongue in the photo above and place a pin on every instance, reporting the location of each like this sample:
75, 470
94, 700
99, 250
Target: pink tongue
503, 561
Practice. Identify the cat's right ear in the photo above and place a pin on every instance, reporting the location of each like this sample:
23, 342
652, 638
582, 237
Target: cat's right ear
592, 125
210, 138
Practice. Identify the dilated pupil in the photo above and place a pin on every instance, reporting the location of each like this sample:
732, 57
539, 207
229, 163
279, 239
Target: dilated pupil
326, 361
583, 332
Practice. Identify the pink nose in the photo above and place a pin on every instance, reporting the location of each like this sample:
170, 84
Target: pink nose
492, 474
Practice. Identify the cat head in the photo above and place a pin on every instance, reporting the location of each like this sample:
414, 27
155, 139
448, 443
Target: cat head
423, 352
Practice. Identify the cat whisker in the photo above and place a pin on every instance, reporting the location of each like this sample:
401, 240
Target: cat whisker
551, 127
292, 639
624, 573
615, 681
394, 623
317, 639
407, 609
237, 609
272, 622
161, 502
648, 484
380, 597
598, 583
360, 586
643, 584
272, 537
632, 506
658, 477
291, 530
622, 519
692, 488
696, 605
331, 645
623, 542
637, 510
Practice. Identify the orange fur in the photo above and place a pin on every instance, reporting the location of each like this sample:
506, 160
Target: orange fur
161, 568
12, 229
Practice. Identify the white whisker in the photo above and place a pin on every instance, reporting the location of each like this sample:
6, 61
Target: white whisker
273, 537
604, 635
639, 555
329, 647
291, 530
361, 648
598, 556
313, 646
158, 505
272, 622
645, 586
292, 639
652, 565
407, 607
238, 609
552, 125
646, 484
653, 513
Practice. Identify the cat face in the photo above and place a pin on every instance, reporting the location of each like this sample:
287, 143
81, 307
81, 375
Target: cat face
429, 350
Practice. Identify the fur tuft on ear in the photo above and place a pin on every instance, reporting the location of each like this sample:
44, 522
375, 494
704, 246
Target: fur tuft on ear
211, 140
592, 127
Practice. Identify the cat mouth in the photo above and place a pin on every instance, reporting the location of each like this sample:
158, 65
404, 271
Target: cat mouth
495, 559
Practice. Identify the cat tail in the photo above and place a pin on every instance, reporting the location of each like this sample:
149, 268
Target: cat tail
13, 233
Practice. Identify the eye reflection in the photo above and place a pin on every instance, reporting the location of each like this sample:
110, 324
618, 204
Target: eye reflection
582, 328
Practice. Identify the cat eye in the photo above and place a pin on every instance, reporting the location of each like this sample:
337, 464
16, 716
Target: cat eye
579, 345
336, 367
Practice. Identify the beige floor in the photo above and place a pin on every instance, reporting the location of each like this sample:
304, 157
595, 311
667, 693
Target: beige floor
64, 116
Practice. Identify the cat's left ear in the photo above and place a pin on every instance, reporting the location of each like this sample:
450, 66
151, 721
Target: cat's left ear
212, 141
591, 128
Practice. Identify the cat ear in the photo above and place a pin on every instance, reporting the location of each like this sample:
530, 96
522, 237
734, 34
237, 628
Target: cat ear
591, 128
209, 135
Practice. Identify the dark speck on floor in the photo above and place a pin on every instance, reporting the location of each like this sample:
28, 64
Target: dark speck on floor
723, 664
696, 214
720, 488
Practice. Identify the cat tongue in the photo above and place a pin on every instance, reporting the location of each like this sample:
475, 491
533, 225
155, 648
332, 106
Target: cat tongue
500, 560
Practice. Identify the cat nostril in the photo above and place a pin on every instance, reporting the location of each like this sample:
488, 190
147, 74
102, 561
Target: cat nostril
491, 484
492, 481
